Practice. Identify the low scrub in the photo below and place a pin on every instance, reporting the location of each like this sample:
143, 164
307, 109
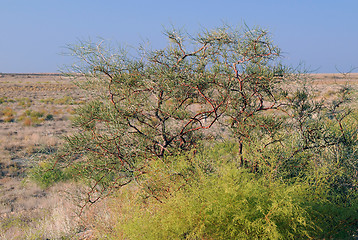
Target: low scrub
8, 114
24, 102
31, 117
205, 196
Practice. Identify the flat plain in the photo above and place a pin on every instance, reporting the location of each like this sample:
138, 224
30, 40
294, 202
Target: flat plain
35, 111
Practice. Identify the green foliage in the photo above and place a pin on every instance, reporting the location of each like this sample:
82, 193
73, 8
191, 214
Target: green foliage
45, 174
49, 117
227, 202
231, 206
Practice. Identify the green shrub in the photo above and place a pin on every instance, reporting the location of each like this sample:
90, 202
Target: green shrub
228, 202
49, 117
46, 174
235, 205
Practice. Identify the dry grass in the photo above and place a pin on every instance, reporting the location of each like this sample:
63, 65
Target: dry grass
40, 214
29, 132
325, 83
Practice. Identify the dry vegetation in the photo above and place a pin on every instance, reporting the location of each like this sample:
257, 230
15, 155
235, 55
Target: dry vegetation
35, 110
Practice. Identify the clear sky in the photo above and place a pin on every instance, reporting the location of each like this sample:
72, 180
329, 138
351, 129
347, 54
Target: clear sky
323, 34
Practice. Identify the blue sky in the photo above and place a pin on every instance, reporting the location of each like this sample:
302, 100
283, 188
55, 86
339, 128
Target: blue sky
323, 34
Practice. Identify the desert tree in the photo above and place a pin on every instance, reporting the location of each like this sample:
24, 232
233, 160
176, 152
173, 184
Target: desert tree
148, 104
145, 105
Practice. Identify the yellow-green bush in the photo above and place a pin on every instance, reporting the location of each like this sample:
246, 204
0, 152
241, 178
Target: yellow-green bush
235, 205
207, 196
45, 174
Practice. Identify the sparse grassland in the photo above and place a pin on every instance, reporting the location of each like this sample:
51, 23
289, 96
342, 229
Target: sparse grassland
35, 110
30, 128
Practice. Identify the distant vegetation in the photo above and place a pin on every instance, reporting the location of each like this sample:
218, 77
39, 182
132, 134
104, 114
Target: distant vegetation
211, 138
